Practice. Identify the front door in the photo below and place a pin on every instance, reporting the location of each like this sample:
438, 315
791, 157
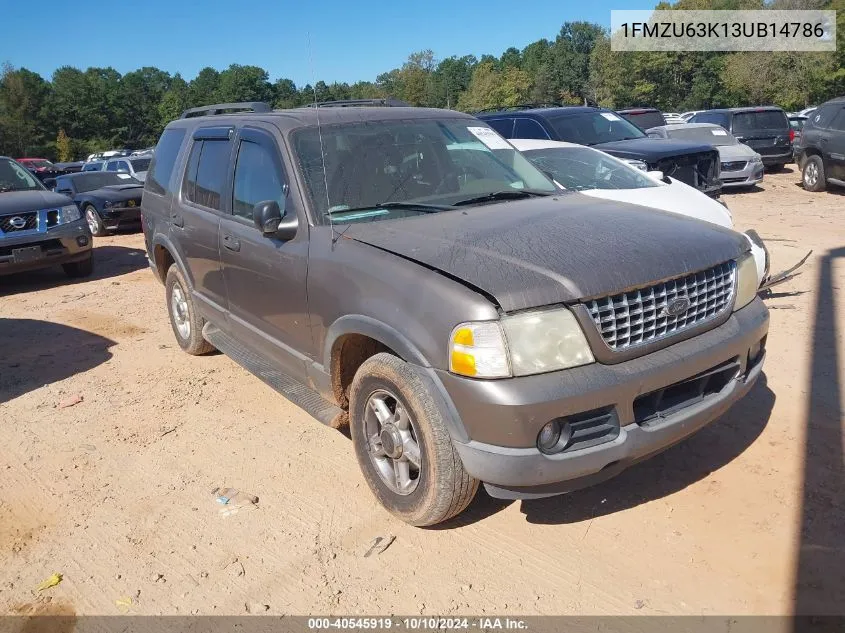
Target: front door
265, 276
835, 146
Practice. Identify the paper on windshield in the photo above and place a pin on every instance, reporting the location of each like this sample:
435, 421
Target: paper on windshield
124, 176
719, 132
489, 138
609, 116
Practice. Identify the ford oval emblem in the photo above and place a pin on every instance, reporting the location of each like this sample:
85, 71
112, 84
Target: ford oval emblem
676, 307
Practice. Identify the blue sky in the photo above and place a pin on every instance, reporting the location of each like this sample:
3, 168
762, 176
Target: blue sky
349, 40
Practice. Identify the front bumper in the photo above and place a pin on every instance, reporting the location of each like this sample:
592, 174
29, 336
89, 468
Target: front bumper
751, 175
32, 250
503, 418
121, 217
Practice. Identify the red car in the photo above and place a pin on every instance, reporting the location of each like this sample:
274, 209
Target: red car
37, 164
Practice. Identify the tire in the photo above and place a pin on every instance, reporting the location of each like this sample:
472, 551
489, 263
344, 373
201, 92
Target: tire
186, 323
439, 488
95, 222
812, 174
79, 269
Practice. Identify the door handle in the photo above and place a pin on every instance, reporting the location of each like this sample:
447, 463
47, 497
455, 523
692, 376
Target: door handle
230, 242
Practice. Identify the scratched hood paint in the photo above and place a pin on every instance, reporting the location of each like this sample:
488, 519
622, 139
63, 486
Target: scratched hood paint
537, 252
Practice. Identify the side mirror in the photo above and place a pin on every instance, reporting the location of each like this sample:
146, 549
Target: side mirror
657, 175
272, 221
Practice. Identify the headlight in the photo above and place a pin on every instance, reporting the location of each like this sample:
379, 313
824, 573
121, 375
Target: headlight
69, 213
746, 281
757, 159
108, 204
519, 345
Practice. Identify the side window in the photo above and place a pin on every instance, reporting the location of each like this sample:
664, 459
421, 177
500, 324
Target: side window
823, 116
838, 122
529, 128
502, 126
164, 161
111, 167
205, 175
257, 179
123, 166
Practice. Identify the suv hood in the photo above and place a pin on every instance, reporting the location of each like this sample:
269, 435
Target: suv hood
545, 251
23, 201
652, 149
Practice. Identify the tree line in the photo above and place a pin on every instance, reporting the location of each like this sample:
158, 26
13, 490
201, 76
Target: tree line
77, 112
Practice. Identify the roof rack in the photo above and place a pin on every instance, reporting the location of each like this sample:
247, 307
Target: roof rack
352, 103
524, 106
226, 108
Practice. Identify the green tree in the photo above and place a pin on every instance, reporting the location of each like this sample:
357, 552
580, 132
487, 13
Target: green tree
244, 83
173, 102
63, 148
23, 97
202, 90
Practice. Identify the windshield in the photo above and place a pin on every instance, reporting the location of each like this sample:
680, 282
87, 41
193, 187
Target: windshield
589, 128
95, 180
764, 120
435, 162
714, 135
645, 120
14, 177
140, 164
581, 168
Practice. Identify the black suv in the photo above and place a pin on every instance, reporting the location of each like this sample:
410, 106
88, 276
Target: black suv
820, 150
765, 129
407, 271
39, 228
696, 164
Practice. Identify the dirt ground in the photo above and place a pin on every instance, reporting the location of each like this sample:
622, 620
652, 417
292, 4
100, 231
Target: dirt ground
114, 492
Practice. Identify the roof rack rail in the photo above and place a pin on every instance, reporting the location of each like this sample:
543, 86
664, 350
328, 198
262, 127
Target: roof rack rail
226, 108
524, 106
352, 103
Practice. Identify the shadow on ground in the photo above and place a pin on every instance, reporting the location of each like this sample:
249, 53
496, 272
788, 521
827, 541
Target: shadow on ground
36, 353
819, 587
690, 461
109, 261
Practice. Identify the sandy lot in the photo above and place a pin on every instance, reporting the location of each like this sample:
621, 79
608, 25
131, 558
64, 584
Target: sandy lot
113, 493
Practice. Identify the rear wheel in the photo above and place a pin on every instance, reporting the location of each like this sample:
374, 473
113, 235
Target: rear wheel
403, 446
79, 269
186, 323
95, 222
812, 176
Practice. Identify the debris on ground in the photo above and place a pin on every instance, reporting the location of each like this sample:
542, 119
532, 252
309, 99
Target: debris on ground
52, 581
256, 607
71, 401
124, 603
379, 544
233, 500
639, 604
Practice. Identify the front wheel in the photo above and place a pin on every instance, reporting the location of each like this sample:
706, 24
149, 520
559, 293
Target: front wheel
812, 176
187, 324
403, 446
95, 222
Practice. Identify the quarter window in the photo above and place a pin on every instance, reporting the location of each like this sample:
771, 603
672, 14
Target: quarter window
257, 179
839, 122
529, 128
164, 161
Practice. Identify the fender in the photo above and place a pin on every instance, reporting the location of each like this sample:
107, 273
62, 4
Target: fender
360, 324
160, 239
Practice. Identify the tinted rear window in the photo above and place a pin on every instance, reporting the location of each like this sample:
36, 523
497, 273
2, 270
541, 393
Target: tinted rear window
719, 118
502, 126
766, 120
590, 128
646, 120
164, 160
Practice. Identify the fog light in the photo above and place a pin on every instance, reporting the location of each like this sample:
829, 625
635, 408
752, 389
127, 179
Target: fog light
82, 240
549, 435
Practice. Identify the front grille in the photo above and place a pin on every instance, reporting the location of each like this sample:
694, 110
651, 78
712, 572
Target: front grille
640, 316
650, 408
19, 222
728, 181
736, 165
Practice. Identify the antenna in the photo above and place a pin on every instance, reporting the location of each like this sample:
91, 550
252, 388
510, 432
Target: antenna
320, 134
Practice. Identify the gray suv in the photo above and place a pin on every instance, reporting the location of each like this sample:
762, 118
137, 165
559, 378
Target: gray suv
408, 272
39, 228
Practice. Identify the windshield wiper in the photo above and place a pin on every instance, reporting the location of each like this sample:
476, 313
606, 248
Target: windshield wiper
514, 194
411, 206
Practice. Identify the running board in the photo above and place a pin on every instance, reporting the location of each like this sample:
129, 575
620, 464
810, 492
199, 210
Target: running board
304, 397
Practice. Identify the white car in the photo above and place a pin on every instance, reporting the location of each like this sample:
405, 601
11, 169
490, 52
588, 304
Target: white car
594, 173
135, 166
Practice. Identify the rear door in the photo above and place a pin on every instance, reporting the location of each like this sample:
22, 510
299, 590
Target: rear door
196, 212
265, 276
834, 146
764, 131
